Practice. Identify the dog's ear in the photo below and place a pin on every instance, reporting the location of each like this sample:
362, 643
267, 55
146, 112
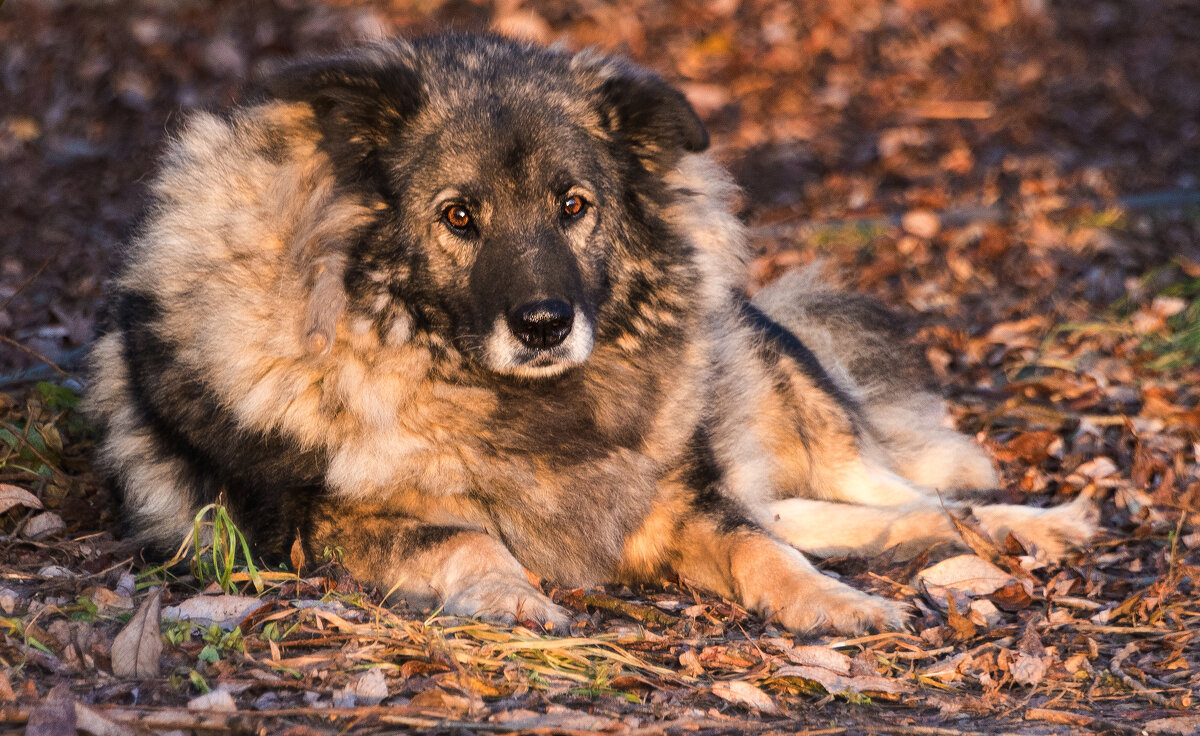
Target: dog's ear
360, 98
652, 115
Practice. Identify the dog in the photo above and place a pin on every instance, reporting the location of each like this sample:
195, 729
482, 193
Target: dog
464, 307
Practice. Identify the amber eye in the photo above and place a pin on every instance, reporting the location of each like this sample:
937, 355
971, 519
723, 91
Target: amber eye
574, 206
457, 217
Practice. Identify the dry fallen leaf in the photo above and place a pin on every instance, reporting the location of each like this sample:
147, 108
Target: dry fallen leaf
218, 700
55, 716
965, 575
964, 628
442, 702
816, 656
43, 525
556, 719
1181, 726
11, 496
740, 692
922, 223
227, 611
1030, 662
137, 649
297, 555
370, 687
837, 683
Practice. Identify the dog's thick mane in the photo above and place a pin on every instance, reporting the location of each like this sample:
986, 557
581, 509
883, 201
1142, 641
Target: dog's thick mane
360, 395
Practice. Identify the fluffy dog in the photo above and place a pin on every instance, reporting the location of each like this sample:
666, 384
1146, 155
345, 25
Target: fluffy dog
462, 306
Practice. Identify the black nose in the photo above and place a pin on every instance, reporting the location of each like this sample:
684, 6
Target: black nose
542, 325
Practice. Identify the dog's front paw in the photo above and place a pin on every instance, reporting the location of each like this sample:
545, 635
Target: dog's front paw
506, 600
837, 609
777, 581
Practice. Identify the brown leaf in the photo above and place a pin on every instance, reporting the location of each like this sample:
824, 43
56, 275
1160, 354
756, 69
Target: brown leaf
217, 700
370, 687
976, 539
297, 556
817, 656
1012, 597
1030, 663
740, 692
963, 627
11, 495
93, 722
43, 525
227, 611
691, 663
1035, 447
417, 668
55, 716
836, 683
1183, 725
558, 719
441, 702
137, 649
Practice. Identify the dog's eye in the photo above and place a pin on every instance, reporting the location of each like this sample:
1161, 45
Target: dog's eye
574, 206
457, 216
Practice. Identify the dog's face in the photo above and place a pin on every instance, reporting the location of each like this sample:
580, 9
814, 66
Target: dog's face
505, 178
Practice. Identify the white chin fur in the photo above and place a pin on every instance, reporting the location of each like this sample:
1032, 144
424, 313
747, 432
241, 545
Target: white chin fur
504, 353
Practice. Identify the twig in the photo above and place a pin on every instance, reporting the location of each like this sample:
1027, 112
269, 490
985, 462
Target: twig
1068, 718
38, 657
35, 354
1084, 604
636, 611
26, 283
1147, 693
1109, 629
930, 654
931, 731
71, 359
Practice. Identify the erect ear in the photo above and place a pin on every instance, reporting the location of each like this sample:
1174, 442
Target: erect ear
360, 97
651, 114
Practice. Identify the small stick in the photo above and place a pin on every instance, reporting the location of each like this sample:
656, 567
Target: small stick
1147, 693
1068, 718
635, 611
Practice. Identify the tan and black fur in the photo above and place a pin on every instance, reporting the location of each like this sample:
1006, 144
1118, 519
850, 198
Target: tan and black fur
303, 329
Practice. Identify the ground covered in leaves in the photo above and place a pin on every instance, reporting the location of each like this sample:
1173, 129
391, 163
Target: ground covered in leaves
1021, 176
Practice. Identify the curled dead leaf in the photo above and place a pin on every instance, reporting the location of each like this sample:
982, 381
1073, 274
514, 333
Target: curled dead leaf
834, 682
55, 716
138, 647
227, 611
740, 692
11, 496
967, 575
824, 657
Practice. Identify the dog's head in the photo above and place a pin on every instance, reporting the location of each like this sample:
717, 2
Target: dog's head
514, 188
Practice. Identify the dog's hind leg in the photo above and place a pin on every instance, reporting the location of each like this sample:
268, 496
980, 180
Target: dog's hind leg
866, 352
466, 571
922, 446
828, 529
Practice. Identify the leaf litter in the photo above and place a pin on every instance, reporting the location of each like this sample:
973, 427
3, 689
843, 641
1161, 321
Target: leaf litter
1020, 175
